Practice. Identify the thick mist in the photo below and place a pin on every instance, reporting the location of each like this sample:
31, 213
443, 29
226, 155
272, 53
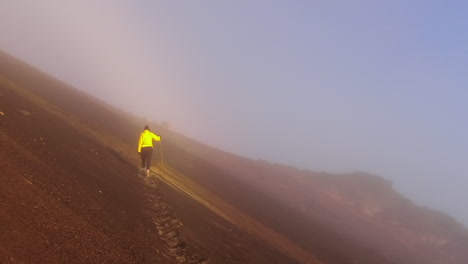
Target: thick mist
328, 85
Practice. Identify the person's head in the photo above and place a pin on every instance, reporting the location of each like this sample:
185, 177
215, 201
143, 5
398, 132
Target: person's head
147, 127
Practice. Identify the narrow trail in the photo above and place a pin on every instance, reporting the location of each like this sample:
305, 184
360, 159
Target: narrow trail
168, 225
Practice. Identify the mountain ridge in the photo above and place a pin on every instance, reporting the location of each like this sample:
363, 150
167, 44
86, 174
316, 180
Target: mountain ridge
348, 218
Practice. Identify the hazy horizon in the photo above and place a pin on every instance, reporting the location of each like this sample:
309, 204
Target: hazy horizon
337, 86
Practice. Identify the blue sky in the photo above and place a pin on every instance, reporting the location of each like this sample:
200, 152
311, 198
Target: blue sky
377, 86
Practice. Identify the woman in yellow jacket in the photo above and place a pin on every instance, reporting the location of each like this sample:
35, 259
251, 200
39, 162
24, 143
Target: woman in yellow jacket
145, 148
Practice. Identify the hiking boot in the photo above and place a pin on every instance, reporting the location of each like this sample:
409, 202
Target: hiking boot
147, 172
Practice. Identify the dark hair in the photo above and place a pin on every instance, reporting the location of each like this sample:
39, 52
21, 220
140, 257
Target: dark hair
147, 127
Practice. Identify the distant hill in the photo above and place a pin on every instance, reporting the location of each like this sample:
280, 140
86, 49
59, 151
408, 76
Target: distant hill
357, 207
70, 193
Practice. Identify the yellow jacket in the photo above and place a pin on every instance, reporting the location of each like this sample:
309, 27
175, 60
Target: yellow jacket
146, 139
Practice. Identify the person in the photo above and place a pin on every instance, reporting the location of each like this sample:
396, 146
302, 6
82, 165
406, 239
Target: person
145, 148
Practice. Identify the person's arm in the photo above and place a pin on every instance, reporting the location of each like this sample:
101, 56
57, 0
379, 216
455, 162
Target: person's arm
156, 137
139, 143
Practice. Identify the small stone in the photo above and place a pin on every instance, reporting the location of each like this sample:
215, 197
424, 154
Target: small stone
2, 114
24, 112
181, 259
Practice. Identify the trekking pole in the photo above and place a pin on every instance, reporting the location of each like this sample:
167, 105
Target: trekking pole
162, 158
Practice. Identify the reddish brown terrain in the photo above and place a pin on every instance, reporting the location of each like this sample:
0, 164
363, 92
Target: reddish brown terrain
70, 192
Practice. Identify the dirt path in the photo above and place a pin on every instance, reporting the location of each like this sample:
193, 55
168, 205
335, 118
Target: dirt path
168, 225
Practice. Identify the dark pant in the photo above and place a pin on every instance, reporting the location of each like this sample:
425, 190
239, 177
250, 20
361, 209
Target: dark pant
146, 153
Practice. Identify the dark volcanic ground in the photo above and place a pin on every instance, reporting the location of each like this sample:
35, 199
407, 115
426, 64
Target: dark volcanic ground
64, 198
70, 194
